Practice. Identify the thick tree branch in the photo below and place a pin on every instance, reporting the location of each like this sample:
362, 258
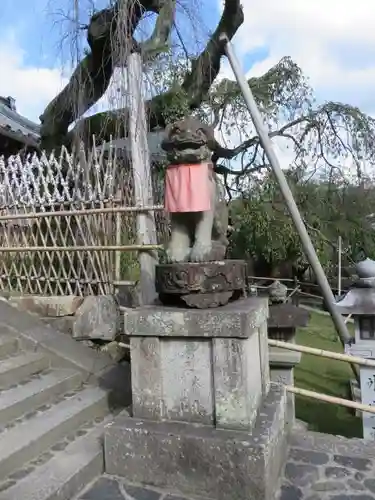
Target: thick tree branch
160, 37
87, 84
91, 78
223, 170
63, 110
206, 66
228, 153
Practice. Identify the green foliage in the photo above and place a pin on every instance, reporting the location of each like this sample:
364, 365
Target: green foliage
264, 231
326, 146
170, 100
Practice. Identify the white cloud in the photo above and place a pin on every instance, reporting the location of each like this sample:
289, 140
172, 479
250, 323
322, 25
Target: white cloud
32, 87
333, 41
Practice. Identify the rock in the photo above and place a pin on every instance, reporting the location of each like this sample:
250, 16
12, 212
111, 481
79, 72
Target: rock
290, 493
327, 486
309, 457
96, 318
56, 306
301, 474
355, 485
300, 425
361, 464
370, 485
337, 472
129, 295
116, 351
277, 292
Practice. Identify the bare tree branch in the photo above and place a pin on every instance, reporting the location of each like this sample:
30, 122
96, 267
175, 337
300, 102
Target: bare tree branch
226, 153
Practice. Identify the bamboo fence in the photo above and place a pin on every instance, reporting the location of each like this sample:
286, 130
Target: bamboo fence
67, 223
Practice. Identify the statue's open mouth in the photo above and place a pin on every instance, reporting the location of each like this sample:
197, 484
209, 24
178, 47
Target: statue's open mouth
188, 144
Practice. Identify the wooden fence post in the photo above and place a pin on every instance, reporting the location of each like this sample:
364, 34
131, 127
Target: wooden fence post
140, 160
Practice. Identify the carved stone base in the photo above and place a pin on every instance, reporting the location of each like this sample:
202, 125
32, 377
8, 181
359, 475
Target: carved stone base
201, 285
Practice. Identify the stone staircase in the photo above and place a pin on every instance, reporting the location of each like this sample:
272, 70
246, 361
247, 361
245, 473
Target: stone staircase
52, 417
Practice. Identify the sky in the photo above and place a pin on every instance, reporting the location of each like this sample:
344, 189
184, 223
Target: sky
333, 41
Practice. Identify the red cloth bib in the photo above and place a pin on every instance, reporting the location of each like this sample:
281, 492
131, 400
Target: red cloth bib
188, 188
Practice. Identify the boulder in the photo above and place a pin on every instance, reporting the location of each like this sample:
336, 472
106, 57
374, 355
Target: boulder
97, 318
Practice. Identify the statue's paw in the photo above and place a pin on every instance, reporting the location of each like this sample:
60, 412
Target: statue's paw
178, 254
200, 252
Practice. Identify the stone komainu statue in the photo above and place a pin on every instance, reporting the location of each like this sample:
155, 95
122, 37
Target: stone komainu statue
197, 235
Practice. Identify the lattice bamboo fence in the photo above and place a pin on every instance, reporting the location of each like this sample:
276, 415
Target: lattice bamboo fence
63, 221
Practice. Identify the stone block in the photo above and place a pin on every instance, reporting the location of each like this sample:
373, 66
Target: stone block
57, 306
287, 317
96, 318
282, 358
264, 357
129, 295
200, 460
237, 381
282, 363
178, 375
236, 319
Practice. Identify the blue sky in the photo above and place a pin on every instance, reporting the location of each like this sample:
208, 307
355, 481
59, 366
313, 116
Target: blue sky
335, 46
39, 25
34, 31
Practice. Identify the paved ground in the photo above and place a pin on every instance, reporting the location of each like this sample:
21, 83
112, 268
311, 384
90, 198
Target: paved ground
108, 488
311, 475
325, 467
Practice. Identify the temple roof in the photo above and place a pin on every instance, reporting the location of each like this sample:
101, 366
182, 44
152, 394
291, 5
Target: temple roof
15, 126
19, 128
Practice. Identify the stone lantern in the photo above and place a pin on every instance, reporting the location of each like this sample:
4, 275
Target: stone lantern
283, 321
360, 303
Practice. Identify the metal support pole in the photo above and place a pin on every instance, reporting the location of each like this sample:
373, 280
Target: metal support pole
287, 194
339, 264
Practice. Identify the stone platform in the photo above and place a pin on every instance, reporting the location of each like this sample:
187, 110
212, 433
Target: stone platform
199, 460
205, 421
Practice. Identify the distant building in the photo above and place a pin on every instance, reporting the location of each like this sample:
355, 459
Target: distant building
17, 133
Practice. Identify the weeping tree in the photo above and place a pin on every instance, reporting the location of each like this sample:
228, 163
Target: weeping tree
327, 140
316, 137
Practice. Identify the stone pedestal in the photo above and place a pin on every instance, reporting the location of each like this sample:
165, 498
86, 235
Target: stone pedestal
205, 419
283, 321
201, 285
282, 365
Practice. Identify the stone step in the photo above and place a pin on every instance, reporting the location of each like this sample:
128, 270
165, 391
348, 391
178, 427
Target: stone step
66, 474
33, 436
29, 396
8, 345
17, 368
